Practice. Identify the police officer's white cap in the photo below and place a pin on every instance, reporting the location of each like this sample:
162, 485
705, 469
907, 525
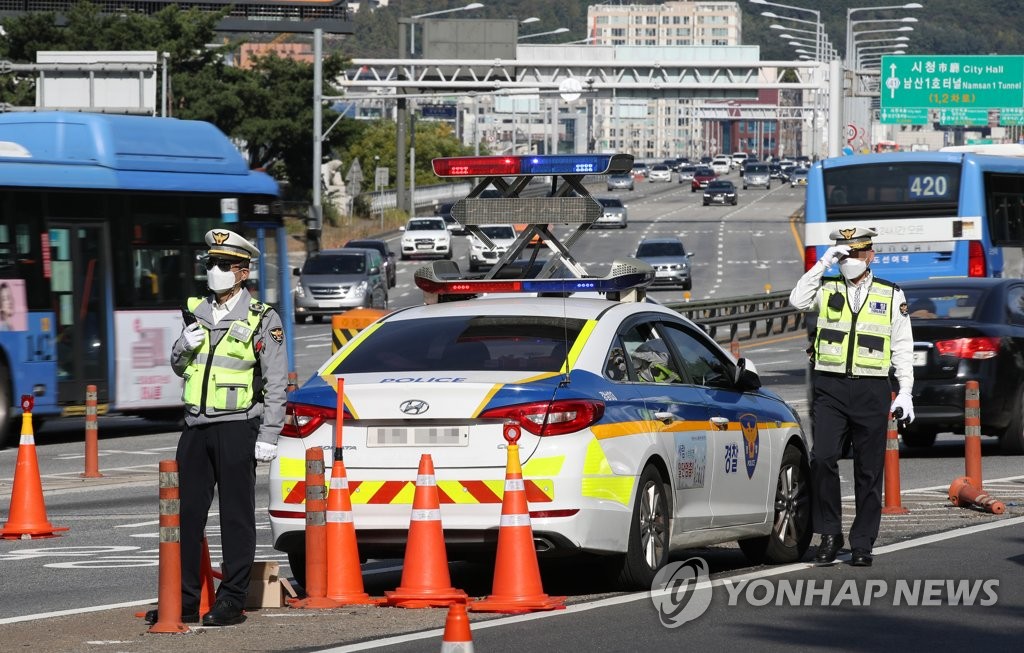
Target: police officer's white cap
222, 242
854, 237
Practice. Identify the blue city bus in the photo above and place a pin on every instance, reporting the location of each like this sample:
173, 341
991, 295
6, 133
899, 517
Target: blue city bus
937, 214
102, 226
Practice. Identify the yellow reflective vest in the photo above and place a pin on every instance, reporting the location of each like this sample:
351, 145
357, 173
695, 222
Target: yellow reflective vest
219, 379
870, 330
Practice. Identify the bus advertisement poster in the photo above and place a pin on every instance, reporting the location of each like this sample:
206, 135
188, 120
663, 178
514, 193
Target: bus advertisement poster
13, 310
144, 375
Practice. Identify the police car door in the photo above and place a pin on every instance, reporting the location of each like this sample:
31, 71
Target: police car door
741, 477
678, 417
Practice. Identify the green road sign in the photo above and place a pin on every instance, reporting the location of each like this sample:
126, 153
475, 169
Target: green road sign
948, 81
904, 115
1011, 116
966, 117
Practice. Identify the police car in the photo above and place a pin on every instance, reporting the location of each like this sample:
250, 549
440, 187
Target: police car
640, 435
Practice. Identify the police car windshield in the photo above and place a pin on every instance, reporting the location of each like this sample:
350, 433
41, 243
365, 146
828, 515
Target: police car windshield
464, 344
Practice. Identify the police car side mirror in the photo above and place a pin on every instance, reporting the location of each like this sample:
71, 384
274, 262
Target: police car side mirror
745, 376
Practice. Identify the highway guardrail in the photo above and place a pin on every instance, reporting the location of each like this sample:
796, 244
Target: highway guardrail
743, 318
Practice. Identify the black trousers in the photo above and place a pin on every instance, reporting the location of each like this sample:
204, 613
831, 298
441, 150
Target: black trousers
858, 409
220, 455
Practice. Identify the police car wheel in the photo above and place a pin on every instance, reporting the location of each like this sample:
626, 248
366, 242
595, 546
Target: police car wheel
791, 526
647, 549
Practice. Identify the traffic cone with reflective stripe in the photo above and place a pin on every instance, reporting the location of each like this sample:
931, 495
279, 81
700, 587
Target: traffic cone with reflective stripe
426, 582
457, 636
169, 591
316, 534
207, 594
344, 573
517, 585
26, 518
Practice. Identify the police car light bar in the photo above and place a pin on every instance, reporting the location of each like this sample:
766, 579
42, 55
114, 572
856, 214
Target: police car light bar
625, 274
522, 166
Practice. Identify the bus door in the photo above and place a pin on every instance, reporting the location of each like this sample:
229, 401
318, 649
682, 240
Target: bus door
78, 260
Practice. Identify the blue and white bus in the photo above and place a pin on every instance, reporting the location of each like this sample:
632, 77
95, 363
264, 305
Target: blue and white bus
102, 221
937, 214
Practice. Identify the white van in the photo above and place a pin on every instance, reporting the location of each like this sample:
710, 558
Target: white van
721, 165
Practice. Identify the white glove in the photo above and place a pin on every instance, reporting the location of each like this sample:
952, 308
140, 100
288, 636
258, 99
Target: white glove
833, 254
194, 335
903, 400
265, 452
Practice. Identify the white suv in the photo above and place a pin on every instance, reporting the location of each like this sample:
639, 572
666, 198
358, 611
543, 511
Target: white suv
426, 237
502, 235
721, 165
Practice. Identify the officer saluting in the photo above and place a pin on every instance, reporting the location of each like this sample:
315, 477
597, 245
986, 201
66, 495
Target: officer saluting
232, 357
863, 329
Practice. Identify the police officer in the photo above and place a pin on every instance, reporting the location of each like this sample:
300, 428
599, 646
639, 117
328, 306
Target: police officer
863, 330
232, 358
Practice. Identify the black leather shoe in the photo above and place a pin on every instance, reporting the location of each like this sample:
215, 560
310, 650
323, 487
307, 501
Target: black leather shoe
828, 548
860, 558
186, 617
225, 612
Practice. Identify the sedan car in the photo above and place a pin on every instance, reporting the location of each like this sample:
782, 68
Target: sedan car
797, 177
967, 330
660, 172
615, 213
425, 237
620, 182
638, 435
670, 260
686, 173
701, 178
720, 192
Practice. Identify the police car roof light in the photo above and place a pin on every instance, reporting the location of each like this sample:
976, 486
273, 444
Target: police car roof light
626, 274
511, 166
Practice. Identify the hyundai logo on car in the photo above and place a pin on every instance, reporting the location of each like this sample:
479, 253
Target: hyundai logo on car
414, 407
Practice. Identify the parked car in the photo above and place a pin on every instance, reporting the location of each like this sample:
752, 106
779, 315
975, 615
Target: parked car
757, 174
701, 177
502, 235
797, 177
424, 237
720, 191
387, 256
670, 260
660, 172
620, 182
967, 330
615, 214
335, 280
619, 457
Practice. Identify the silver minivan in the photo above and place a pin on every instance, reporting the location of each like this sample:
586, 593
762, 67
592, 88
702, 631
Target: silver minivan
757, 174
335, 280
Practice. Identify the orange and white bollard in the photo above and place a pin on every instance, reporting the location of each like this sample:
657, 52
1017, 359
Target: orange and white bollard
92, 447
169, 593
316, 534
893, 503
972, 434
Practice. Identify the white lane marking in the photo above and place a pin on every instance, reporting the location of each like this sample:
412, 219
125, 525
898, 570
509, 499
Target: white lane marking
945, 488
645, 596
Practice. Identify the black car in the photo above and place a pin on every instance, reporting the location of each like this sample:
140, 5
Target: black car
967, 330
388, 257
720, 192
444, 210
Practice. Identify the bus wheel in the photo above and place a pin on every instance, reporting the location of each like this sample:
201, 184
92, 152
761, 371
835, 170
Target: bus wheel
6, 423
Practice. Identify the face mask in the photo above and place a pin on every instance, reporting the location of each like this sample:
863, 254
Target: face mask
218, 280
851, 268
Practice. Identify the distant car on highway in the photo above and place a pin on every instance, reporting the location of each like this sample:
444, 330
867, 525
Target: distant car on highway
660, 172
701, 178
721, 165
640, 168
686, 173
670, 260
335, 280
502, 235
720, 191
615, 213
620, 182
757, 174
386, 254
426, 237
797, 177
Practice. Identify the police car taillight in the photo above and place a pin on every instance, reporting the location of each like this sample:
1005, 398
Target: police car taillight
301, 420
545, 418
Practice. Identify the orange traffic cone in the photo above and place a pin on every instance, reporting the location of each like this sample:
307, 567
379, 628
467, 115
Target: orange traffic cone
517, 587
344, 574
426, 582
27, 515
316, 534
207, 594
457, 636
169, 594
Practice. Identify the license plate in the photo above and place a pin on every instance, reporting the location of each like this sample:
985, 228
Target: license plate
417, 436
424, 246
663, 273
920, 358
